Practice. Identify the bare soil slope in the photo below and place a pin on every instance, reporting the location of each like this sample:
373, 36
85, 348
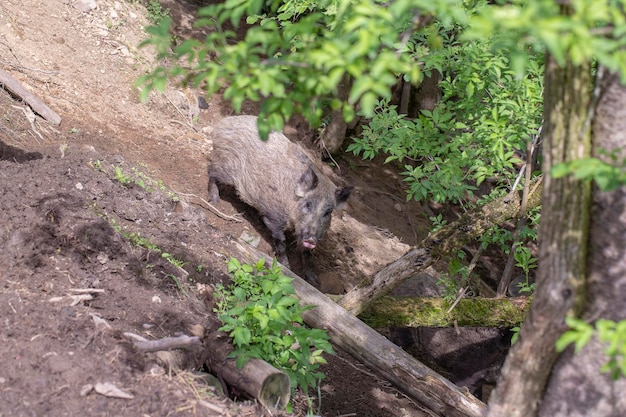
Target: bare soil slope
67, 216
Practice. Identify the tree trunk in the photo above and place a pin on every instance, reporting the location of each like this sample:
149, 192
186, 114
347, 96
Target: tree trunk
577, 388
445, 241
433, 312
562, 246
374, 350
334, 133
427, 95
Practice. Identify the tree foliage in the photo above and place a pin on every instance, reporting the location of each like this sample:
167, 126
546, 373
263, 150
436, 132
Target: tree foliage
295, 53
478, 131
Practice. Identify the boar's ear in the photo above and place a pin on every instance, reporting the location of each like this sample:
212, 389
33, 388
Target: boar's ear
341, 195
308, 181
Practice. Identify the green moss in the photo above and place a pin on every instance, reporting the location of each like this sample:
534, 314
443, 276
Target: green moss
433, 312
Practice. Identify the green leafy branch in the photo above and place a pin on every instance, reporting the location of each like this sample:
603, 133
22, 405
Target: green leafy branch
608, 176
612, 334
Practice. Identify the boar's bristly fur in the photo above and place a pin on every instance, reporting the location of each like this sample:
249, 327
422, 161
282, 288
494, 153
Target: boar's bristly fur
279, 179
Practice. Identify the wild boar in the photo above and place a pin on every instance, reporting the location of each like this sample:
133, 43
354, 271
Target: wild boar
279, 179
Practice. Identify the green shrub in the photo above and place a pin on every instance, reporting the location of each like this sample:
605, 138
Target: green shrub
262, 315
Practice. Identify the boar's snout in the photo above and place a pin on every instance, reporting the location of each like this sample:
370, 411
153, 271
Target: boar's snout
309, 243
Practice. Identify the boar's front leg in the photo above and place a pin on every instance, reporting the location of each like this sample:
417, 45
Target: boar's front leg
277, 228
307, 266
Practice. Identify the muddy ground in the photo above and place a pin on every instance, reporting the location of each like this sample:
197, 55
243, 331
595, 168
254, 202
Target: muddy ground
69, 214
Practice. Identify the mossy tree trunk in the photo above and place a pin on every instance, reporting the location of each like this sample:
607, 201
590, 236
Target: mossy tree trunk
563, 242
576, 386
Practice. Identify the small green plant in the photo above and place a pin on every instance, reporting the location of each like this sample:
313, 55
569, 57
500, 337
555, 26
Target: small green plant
171, 259
450, 287
437, 223
515, 336
121, 176
499, 236
456, 279
179, 285
140, 179
97, 164
525, 260
261, 313
136, 239
612, 333
156, 12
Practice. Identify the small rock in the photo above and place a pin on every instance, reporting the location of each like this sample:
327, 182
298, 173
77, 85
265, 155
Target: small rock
124, 51
86, 389
197, 330
102, 258
86, 6
79, 186
110, 390
250, 238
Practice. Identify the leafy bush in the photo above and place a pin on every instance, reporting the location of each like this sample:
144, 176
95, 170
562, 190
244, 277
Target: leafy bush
260, 312
478, 130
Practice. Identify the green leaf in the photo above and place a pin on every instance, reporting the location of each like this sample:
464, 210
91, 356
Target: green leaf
469, 89
241, 336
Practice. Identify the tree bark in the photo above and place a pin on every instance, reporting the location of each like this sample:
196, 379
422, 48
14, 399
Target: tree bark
433, 312
374, 350
445, 241
577, 388
562, 246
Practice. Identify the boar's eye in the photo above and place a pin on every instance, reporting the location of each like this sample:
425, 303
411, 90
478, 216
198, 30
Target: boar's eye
308, 206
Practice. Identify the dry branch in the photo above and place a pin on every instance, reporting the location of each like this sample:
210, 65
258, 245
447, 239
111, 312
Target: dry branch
388, 360
445, 241
168, 343
14, 87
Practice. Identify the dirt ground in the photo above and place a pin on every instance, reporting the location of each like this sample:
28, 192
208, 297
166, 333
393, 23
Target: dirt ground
72, 285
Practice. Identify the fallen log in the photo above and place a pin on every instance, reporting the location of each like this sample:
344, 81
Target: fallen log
14, 87
451, 237
433, 312
374, 350
257, 378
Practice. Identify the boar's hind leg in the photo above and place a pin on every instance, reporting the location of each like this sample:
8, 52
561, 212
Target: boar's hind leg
214, 192
277, 228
